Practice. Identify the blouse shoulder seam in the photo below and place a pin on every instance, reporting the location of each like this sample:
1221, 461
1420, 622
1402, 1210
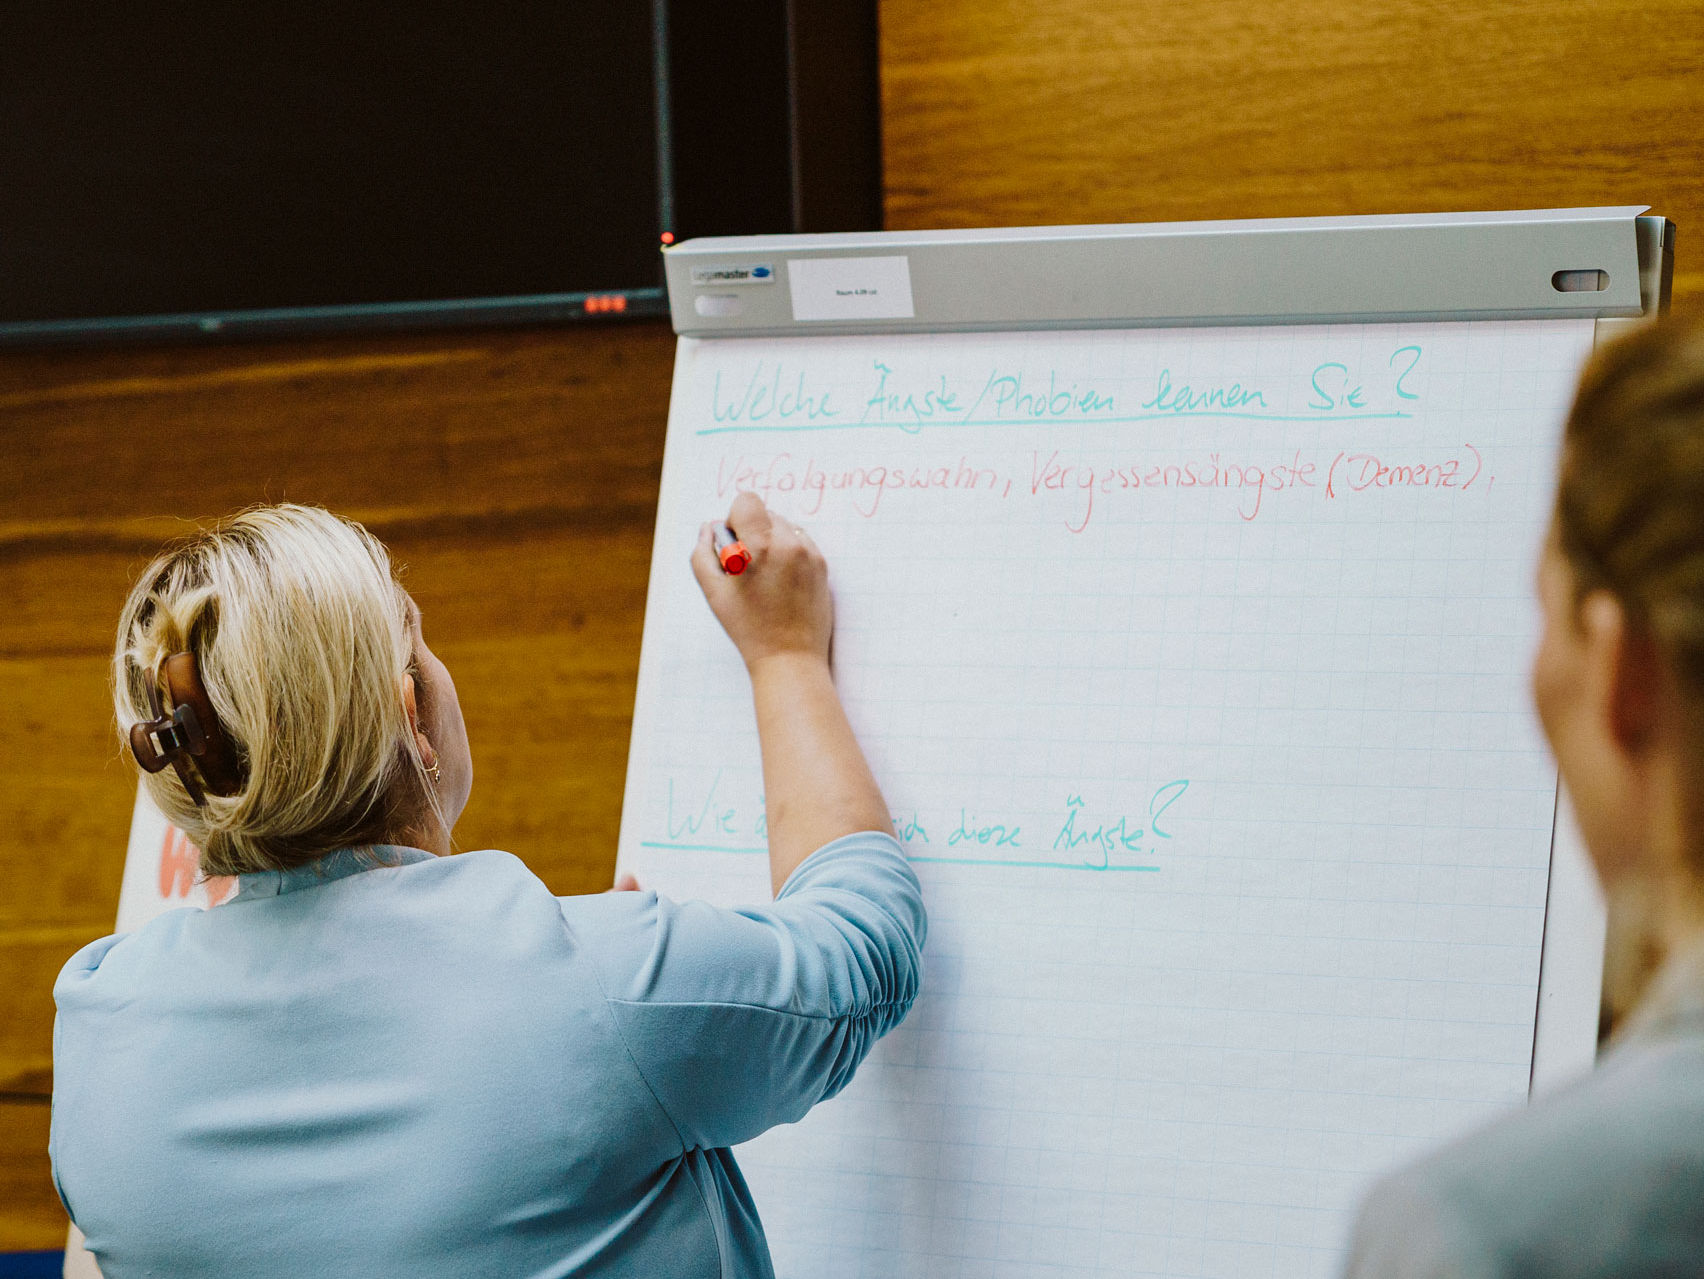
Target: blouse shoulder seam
621, 1037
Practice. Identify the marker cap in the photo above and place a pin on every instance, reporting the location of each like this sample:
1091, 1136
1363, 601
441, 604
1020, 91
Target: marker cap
730, 550
734, 558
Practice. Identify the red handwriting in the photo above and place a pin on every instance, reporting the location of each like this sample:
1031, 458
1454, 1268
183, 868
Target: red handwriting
784, 473
1358, 472
1251, 484
180, 869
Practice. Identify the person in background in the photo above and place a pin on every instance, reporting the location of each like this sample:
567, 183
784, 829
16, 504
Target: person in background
1606, 1177
380, 1059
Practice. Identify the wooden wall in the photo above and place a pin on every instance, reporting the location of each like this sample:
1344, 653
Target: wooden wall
514, 473
1010, 112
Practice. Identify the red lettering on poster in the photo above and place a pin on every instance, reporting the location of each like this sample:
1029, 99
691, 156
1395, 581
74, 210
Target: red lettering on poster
180, 868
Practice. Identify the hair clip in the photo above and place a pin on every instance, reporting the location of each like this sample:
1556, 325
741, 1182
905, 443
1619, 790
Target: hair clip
189, 738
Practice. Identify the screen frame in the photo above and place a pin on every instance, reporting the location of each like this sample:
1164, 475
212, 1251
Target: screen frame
822, 158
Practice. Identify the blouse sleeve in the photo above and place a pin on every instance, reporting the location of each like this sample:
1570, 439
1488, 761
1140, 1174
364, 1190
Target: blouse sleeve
739, 1020
1407, 1230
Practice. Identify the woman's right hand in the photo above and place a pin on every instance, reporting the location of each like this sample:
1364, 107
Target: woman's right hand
816, 783
780, 605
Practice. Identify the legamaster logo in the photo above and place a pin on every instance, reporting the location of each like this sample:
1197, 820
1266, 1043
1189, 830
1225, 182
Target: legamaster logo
761, 274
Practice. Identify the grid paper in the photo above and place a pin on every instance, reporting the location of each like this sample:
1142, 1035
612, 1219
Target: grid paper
1192, 665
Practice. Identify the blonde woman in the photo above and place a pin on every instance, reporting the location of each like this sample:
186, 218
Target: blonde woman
379, 1059
1607, 1178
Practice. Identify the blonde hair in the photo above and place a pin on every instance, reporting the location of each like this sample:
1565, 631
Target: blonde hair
303, 638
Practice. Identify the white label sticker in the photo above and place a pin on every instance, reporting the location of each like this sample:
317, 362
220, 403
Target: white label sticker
851, 288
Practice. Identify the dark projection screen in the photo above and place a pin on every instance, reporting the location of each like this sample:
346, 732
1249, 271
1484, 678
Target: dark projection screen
198, 157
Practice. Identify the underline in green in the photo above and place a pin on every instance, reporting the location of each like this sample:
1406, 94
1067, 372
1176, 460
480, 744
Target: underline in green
944, 861
917, 428
701, 848
996, 861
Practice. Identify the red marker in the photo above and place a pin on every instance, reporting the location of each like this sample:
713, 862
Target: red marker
730, 550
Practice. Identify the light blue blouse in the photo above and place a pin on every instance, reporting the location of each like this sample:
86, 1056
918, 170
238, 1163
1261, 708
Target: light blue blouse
436, 1068
1602, 1180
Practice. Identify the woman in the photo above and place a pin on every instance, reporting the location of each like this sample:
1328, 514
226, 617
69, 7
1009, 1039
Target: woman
378, 1059
1606, 1178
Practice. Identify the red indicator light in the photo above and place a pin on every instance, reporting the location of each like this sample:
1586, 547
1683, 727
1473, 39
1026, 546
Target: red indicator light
620, 301
668, 237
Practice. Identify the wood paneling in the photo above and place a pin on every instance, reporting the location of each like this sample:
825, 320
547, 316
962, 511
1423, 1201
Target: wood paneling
112, 447
31, 957
513, 476
1008, 112
30, 1215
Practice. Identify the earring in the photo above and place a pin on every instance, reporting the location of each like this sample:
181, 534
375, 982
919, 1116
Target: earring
435, 769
